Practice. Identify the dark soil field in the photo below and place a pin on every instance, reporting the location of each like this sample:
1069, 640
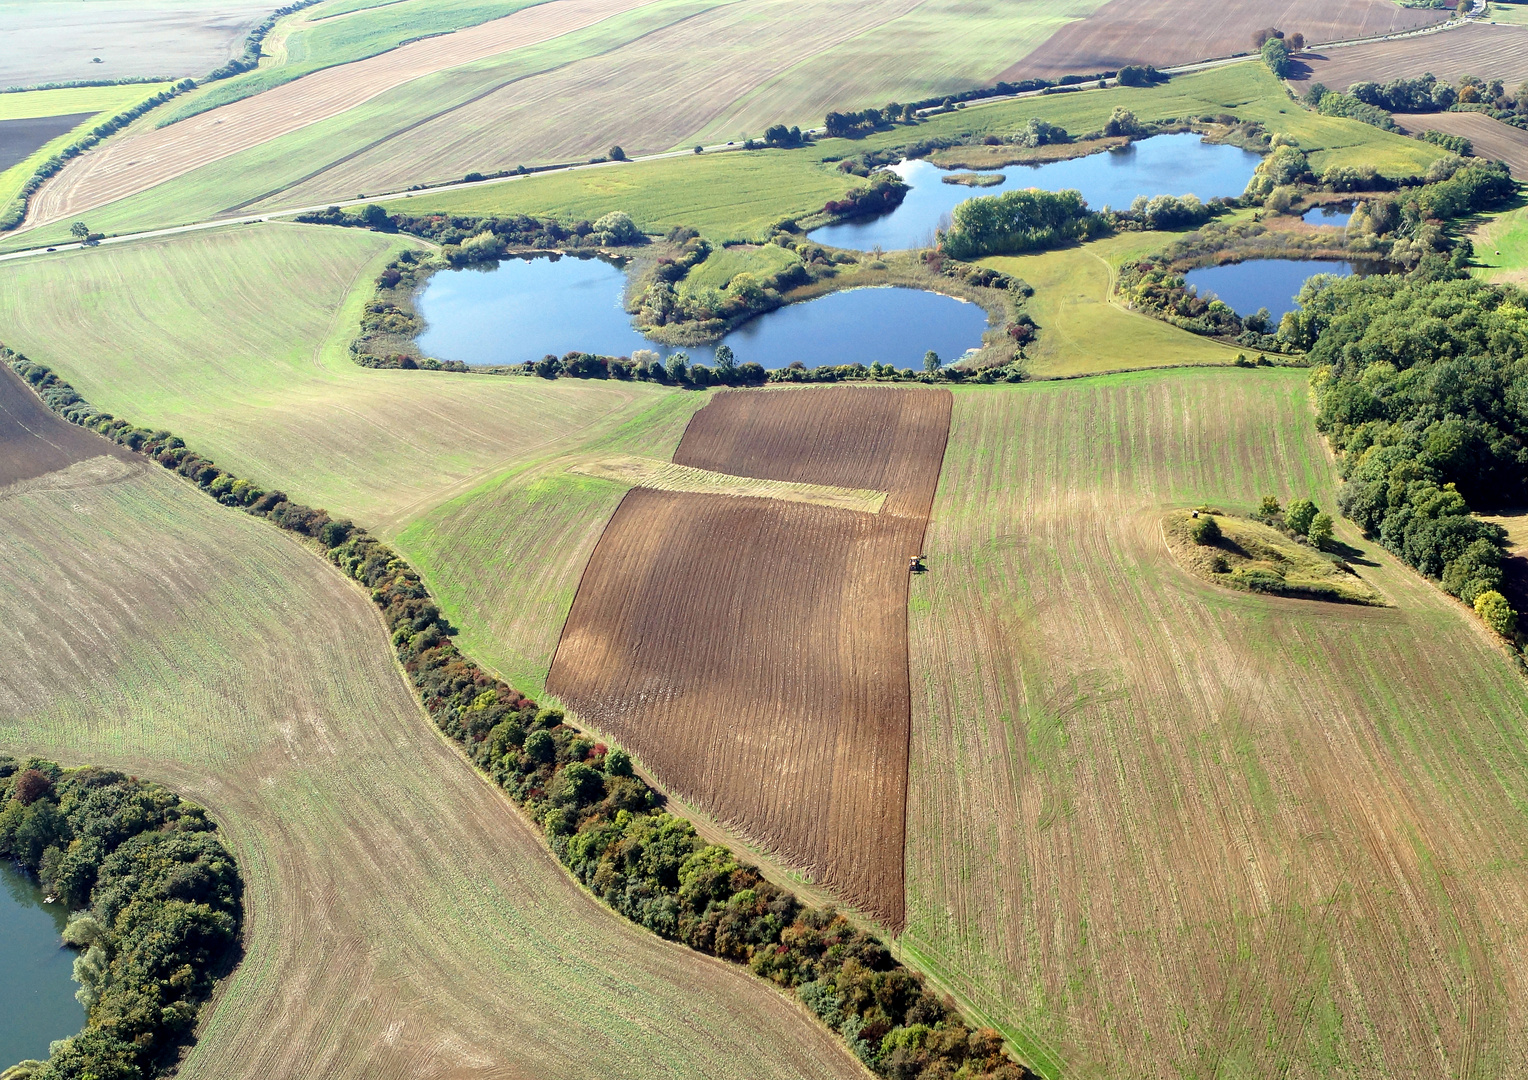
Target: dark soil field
34, 442
1489, 51
1162, 33
18, 138
753, 652
1491, 138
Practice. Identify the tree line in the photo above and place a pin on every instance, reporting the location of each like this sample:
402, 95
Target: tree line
157, 905
1419, 383
603, 822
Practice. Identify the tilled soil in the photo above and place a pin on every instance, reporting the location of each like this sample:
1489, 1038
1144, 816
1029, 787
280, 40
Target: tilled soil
753, 652
33, 441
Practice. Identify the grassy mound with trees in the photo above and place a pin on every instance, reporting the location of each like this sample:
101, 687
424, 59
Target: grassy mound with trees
158, 905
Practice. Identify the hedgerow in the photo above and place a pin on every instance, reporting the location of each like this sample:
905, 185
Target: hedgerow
605, 824
158, 905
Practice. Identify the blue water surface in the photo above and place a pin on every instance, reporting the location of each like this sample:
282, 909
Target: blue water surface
1258, 283
1165, 165
1337, 216
35, 971
523, 309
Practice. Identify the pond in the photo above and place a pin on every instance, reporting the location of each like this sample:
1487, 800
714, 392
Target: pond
35, 969
523, 309
1164, 165
1270, 283
1335, 216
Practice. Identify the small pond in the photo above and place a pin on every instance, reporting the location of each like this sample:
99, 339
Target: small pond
35, 969
1165, 165
1336, 216
1270, 283
523, 309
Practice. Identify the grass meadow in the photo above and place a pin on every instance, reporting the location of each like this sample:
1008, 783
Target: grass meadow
1501, 246
1083, 328
237, 340
1159, 827
402, 917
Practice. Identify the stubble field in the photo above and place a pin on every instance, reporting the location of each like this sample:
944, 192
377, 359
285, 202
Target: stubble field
752, 652
1483, 49
402, 918
1165, 34
1159, 827
1490, 138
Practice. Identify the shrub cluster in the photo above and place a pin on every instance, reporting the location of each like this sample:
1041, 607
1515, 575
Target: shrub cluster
158, 909
16, 212
1015, 221
1454, 144
1417, 385
605, 824
885, 193
464, 239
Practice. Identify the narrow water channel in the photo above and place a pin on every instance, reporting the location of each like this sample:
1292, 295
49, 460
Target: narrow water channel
523, 309
1165, 165
35, 970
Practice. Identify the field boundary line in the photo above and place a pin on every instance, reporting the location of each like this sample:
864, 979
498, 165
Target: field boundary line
646, 472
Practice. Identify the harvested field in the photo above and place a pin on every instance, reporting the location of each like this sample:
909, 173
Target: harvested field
657, 475
1489, 51
140, 161
752, 652
1160, 828
58, 40
1165, 34
1491, 138
403, 919
33, 441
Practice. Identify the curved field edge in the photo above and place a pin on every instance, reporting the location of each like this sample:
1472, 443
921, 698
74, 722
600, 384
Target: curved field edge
1155, 825
160, 632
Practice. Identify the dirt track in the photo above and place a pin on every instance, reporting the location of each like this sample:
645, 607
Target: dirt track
130, 165
33, 441
1162, 33
753, 652
1491, 138
1492, 52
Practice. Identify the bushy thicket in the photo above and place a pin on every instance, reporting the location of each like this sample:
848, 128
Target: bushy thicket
16, 212
1454, 144
157, 905
465, 239
885, 193
605, 824
1330, 103
1421, 385
1016, 221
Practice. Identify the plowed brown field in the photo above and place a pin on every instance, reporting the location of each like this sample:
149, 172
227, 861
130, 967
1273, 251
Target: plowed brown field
1491, 138
33, 441
1487, 50
753, 652
1164, 33
127, 166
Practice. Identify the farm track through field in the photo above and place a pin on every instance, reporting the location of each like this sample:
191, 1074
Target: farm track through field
143, 160
403, 919
1488, 50
752, 652
1158, 827
1167, 34
1490, 138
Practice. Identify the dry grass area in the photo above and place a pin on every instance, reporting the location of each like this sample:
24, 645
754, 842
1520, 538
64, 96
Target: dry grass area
1490, 138
142, 160
1486, 50
753, 652
1160, 828
1164, 33
1254, 557
403, 920
634, 471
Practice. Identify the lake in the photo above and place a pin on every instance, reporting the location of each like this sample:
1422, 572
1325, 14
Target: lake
523, 309
35, 969
1257, 283
1164, 165
1336, 216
